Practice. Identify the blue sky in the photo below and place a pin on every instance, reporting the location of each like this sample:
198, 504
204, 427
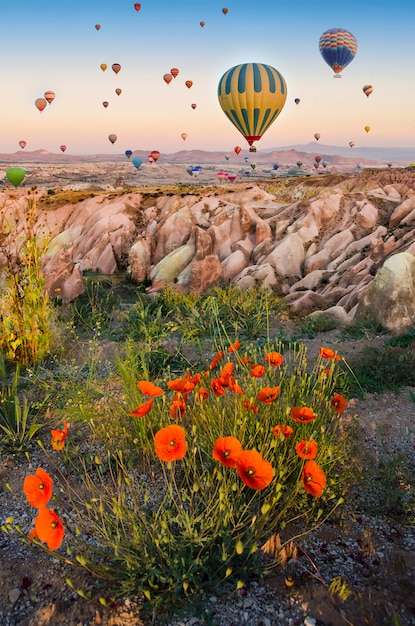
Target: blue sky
53, 45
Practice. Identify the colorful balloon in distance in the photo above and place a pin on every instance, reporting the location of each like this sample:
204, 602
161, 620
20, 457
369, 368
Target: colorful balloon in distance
150, 159
225, 11
227, 157
128, 153
15, 175
97, 26
105, 104
367, 128
118, 91
202, 24
62, 148
22, 144
103, 66
41, 104
155, 155
351, 144
193, 106
252, 95
167, 78
317, 136
112, 138
137, 162
299, 164
184, 136
189, 83
316, 164
317, 159
137, 6
367, 90
237, 149
116, 67
338, 48
297, 100
49, 96
174, 72
275, 166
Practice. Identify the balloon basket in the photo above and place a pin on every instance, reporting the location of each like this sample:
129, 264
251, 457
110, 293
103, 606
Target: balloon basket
252, 149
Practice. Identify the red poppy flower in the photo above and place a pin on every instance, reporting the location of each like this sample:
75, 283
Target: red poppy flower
38, 488
255, 471
245, 360
58, 437
257, 371
181, 384
250, 406
339, 403
303, 414
235, 386
226, 372
227, 450
314, 479
143, 409
234, 347
282, 429
194, 379
49, 528
218, 357
268, 394
149, 389
170, 443
217, 387
306, 449
177, 408
202, 393
274, 359
328, 353
325, 372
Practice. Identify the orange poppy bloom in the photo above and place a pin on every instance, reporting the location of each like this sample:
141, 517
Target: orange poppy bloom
339, 403
49, 528
170, 443
226, 372
218, 357
217, 387
314, 479
235, 386
234, 347
194, 379
282, 429
268, 394
227, 450
325, 372
143, 409
303, 414
181, 384
257, 371
245, 360
38, 488
255, 471
274, 359
202, 393
149, 389
250, 406
306, 449
177, 408
328, 353
58, 437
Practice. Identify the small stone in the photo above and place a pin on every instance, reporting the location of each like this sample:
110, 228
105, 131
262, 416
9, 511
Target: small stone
14, 595
309, 621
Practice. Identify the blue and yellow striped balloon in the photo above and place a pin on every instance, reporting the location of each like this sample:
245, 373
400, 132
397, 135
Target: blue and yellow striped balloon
252, 95
338, 48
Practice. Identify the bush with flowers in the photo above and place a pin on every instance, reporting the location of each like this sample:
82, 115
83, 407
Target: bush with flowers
219, 460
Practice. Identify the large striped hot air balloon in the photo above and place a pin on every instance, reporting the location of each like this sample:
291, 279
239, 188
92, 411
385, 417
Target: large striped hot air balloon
252, 95
338, 48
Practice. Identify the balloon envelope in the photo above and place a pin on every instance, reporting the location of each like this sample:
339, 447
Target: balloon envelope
103, 66
193, 106
338, 48
137, 162
15, 175
105, 104
297, 100
299, 163
97, 26
155, 154
275, 166
317, 136
49, 96
118, 91
137, 6
202, 24
367, 128
40, 104
237, 149
128, 153
116, 67
167, 78
174, 72
62, 148
189, 83
367, 90
112, 138
184, 136
351, 144
22, 144
225, 11
317, 159
252, 95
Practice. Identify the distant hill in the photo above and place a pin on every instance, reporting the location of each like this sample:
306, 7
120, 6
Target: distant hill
385, 154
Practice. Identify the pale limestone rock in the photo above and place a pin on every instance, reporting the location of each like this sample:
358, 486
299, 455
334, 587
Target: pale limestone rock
63, 279
173, 233
309, 282
287, 257
139, 259
368, 216
233, 265
335, 314
255, 275
205, 273
401, 211
317, 261
203, 244
171, 265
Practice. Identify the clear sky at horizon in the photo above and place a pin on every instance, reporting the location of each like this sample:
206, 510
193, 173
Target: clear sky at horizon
54, 45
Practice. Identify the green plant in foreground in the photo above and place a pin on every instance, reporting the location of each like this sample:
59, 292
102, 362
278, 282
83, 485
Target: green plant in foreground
233, 454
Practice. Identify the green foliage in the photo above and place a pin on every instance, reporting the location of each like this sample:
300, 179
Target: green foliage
381, 369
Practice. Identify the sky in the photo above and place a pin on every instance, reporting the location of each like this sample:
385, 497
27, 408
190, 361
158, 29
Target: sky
54, 45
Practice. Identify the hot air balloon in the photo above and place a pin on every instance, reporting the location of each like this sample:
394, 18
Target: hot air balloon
137, 162
367, 128
193, 106
338, 48
116, 67
128, 153
389, 164
275, 166
118, 91
137, 6
15, 175
227, 157
62, 148
297, 100
237, 149
253, 166
252, 96
189, 170
174, 72
189, 83
225, 11
97, 26
167, 78
155, 154
232, 178
299, 163
324, 164
105, 104
202, 24
316, 164
317, 136
112, 138
351, 144
40, 104
49, 96
22, 144
317, 159
103, 66
184, 136
367, 90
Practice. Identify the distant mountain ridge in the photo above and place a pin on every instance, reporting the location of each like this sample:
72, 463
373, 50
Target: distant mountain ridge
406, 155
